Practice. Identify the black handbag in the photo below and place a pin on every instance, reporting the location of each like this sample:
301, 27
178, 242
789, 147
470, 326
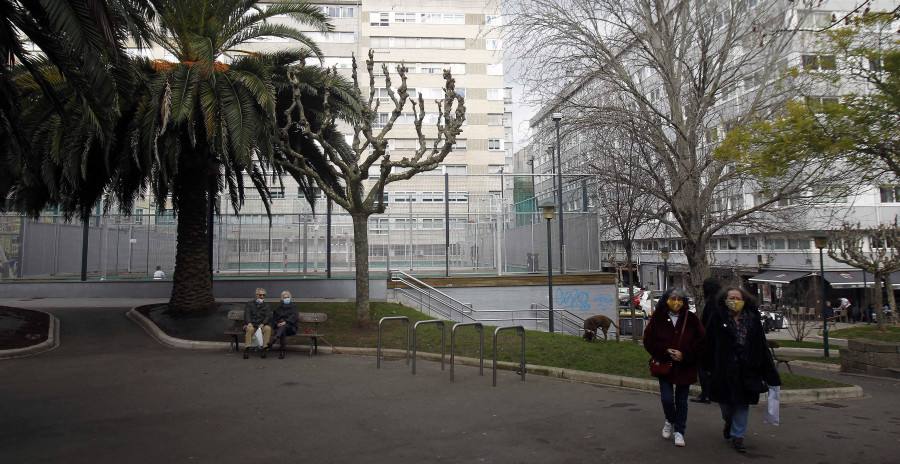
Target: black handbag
754, 383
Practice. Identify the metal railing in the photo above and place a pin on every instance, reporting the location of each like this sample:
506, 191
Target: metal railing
440, 325
479, 327
430, 298
378, 350
521, 332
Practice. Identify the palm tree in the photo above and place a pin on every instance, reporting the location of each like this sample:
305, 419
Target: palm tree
201, 123
81, 44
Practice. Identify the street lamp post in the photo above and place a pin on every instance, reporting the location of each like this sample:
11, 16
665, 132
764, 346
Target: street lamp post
821, 241
559, 197
664, 253
547, 207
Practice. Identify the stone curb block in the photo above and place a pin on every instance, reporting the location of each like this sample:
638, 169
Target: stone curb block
50, 343
787, 396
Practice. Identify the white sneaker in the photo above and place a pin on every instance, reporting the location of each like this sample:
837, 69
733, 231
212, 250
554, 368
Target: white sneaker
667, 430
679, 439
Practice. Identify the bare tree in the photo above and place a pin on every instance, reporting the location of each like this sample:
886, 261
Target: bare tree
360, 196
675, 67
880, 258
625, 206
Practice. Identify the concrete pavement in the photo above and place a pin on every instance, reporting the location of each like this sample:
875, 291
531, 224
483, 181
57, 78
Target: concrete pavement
110, 393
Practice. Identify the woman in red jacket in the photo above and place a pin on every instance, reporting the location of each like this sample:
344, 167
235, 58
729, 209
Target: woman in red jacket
675, 335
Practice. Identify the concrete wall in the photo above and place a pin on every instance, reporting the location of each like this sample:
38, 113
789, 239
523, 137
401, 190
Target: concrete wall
871, 358
231, 288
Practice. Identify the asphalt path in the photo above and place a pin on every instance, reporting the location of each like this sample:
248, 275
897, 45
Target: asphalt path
110, 394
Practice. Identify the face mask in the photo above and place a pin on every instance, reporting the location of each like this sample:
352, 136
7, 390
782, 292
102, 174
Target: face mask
735, 305
675, 305
259, 301
287, 301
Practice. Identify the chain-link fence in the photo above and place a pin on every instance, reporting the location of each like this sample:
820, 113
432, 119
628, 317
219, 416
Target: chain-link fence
426, 229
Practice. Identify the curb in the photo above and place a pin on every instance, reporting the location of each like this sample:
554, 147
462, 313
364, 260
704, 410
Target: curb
787, 396
49, 344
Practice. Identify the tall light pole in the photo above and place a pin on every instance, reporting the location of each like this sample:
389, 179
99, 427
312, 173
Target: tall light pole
547, 208
664, 253
821, 241
559, 197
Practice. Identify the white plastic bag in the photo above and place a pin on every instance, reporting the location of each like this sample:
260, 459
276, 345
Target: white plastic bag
257, 338
773, 406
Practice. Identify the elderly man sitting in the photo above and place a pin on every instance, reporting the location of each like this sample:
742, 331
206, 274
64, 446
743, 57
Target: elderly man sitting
258, 315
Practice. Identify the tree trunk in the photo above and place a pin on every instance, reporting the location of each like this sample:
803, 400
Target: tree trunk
361, 254
191, 282
628, 263
698, 265
879, 303
892, 302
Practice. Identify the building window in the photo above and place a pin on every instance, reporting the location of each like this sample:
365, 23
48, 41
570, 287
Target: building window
379, 20
890, 193
749, 243
495, 94
493, 20
495, 69
819, 62
495, 144
493, 44
495, 119
339, 11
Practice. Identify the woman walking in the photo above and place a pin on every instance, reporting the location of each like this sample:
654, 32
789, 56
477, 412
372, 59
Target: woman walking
740, 361
675, 336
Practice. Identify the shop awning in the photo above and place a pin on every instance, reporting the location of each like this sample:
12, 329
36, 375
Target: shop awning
779, 277
848, 279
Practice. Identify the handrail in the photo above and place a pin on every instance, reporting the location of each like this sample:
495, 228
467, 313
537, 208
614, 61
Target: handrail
479, 327
378, 351
440, 325
521, 332
433, 293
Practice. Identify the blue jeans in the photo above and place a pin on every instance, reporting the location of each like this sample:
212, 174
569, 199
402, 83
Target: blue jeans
675, 403
737, 415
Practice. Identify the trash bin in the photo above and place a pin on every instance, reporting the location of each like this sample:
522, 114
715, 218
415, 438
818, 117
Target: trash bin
625, 324
779, 321
531, 262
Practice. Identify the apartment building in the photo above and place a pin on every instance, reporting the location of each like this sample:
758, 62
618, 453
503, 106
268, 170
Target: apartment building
779, 259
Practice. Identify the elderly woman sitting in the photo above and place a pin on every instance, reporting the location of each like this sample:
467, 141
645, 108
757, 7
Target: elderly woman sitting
284, 319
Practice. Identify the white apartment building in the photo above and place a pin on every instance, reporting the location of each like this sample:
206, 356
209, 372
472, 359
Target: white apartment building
775, 260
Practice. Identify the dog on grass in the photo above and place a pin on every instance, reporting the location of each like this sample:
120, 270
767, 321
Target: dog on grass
593, 323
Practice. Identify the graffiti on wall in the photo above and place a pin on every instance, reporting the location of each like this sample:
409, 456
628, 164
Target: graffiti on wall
575, 299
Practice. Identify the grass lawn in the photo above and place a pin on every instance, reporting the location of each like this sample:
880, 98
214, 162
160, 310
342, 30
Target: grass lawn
836, 359
541, 348
796, 344
890, 334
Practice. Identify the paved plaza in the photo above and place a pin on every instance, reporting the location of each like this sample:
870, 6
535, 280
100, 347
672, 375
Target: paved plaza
109, 393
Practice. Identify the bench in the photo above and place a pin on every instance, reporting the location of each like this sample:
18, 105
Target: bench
311, 334
779, 360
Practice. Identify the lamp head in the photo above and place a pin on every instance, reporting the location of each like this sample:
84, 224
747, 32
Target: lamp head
821, 239
557, 116
664, 253
548, 208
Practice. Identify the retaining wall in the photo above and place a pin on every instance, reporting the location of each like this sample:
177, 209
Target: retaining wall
871, 357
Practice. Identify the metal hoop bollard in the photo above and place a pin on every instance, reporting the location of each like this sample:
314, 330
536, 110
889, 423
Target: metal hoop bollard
440, 325
478, 327
378, 351
521, 332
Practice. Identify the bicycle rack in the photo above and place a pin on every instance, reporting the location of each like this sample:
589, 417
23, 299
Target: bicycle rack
521, 332
440, 325
478, 327
378, 352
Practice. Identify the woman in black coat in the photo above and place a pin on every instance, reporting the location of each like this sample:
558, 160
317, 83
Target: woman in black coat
739, 359
284, 319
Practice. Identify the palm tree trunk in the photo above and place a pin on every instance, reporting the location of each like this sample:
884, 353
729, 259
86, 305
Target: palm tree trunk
361, 254
191, 282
